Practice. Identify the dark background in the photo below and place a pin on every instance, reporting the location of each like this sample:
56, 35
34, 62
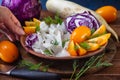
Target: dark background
92, 4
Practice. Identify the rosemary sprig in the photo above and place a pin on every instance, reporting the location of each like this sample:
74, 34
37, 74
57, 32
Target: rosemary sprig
75, 66
87, 66
92, 62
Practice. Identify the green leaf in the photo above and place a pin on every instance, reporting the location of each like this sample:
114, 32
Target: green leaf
64, 41
48, 52
85, 45
37, 28
55, 42
24, 63
35, 67
92, 31
32, 66
29, 65
56, 20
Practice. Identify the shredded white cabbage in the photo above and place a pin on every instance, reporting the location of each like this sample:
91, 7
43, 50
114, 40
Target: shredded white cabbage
51, 39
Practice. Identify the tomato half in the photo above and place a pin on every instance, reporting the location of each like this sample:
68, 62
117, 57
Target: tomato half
80, 34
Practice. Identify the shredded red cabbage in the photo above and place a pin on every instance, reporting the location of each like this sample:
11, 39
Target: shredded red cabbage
81, 19
31, 39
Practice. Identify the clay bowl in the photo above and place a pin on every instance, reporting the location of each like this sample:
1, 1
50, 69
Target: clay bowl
89, 54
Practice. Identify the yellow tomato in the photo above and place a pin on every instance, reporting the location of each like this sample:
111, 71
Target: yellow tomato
109, 13
8, 51
93, 46
30, 29
71, 49
81, 51
99, 31
101, 40
30, 23
37, 22
80, 34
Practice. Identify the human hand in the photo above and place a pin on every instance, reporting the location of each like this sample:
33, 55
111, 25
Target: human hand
9, 25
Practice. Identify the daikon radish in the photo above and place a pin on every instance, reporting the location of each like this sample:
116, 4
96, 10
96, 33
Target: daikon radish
66, 8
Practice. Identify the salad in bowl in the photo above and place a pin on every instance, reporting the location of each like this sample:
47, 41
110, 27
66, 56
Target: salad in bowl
77, 36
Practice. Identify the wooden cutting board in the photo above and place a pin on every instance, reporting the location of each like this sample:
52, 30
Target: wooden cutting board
65, 67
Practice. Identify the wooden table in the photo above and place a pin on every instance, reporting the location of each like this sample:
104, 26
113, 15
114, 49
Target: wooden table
109, 73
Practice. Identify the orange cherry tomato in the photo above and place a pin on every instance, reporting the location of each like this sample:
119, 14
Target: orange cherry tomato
80, 34
29, 29
109, 13
8, 51
71, 49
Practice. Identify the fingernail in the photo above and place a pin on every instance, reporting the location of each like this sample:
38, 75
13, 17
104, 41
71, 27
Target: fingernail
21, 32
18, 24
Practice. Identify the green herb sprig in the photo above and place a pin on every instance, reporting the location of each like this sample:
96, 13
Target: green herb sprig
75, 66
91, 63
31, 66
56, 20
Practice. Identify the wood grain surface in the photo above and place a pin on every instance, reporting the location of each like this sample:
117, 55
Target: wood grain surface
109, 73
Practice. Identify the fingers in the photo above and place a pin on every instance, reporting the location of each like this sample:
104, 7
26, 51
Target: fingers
9, 25
14, 25
15, 20
7, 33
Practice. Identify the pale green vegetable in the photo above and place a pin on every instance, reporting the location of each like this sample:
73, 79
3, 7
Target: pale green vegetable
66, 8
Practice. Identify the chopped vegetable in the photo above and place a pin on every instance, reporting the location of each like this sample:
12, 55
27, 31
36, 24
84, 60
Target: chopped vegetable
31, 39
80, 34
99, 31
101, 40
93, 46
29, 23
81, 19
32, 26
81, 51
71, 49
30, 29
